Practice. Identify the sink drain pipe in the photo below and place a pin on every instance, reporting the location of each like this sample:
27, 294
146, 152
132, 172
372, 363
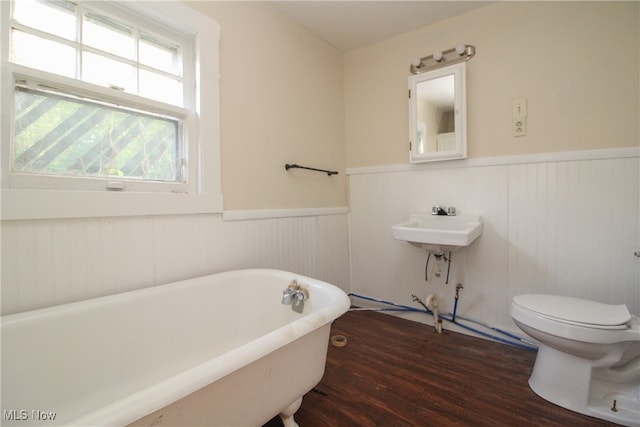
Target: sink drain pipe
450, 317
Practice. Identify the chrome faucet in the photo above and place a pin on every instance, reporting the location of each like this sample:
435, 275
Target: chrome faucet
295, 296
441, 210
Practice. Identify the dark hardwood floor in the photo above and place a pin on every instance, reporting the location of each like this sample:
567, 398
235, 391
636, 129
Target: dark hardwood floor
395, 372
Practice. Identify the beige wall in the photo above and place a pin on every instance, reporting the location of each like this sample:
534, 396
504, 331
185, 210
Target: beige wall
288, 97
575, 62
282, 102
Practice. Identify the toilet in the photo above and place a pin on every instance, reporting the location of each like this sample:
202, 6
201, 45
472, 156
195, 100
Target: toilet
589, 355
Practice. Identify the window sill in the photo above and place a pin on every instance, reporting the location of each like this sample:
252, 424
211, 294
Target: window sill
43, 204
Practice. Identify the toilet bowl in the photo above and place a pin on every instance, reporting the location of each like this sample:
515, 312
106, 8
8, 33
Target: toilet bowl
588, 360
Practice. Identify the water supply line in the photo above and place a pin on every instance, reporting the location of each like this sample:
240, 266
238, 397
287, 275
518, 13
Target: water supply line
426, 268
455, 304
419, 301
459, 286
449, 317
403, 307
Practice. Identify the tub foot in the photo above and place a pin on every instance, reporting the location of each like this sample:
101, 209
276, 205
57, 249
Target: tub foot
287, 414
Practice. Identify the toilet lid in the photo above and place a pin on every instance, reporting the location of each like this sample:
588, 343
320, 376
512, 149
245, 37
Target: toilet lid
575, 310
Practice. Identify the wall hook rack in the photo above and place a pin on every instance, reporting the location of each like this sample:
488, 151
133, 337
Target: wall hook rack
294, 166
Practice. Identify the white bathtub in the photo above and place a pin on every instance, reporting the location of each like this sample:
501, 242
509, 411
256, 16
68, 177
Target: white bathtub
217, 350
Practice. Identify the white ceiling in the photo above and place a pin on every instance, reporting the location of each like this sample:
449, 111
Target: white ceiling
349, 25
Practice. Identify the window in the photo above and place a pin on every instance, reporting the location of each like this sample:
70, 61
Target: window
55, 134
105, 96
81, 42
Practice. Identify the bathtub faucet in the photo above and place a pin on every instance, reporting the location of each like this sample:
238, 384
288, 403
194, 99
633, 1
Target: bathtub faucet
295, 295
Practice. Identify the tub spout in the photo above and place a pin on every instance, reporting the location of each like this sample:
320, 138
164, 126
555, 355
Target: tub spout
298, 301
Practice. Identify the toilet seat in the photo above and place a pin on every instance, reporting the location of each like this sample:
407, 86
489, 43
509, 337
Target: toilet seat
575, 311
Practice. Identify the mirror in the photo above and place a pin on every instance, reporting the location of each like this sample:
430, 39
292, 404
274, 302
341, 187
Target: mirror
437, 115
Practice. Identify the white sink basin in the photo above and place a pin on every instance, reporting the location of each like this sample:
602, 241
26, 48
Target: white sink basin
439, 233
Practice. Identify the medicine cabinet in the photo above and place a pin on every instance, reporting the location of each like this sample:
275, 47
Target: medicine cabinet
438, 115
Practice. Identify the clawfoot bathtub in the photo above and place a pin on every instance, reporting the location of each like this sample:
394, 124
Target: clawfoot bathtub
219, 350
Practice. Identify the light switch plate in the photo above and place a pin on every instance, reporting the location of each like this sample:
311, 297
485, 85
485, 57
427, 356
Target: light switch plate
520, 107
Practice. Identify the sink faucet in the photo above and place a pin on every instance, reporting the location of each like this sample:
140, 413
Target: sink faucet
441, 210
295, 296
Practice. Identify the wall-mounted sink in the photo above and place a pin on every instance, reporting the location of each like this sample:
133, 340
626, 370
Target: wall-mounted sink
439, 233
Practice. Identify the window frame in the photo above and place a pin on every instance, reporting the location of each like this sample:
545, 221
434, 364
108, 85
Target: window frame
43, 196
80, 89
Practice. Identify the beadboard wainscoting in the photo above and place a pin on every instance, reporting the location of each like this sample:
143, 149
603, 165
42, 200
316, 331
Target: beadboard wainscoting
560, 226
50, 262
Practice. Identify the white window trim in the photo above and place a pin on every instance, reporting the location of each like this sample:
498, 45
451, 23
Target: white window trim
18, 204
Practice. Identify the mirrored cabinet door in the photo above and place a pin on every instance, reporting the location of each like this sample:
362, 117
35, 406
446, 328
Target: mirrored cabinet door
437, 115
